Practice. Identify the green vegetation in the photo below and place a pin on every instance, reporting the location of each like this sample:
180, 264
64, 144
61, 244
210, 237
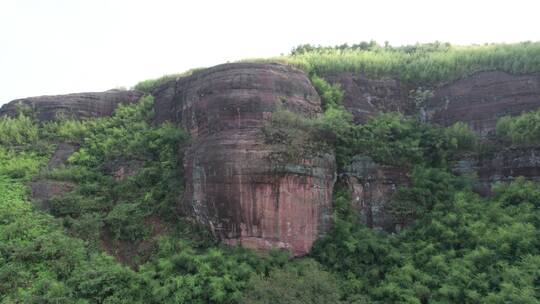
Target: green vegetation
520, 130
425, 65
300, 282
125, 142
18, 131
458, 248
127, 182
40, 263
59, 260
389, 138
463, 249
148, 86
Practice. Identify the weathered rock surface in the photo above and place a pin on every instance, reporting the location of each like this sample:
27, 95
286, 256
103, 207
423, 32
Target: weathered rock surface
77, 105
502, 165
234, 186
483, 98
121, 168
45, 189
478, 100
364, 96
372, 187
231, 184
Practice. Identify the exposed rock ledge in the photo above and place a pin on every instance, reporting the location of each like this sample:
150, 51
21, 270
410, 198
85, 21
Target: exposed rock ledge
77, 105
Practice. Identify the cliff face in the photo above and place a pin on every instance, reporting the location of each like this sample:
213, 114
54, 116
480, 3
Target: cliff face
372, 186
231, 183
479, 100
502, 165
364, 96
483, 98
78, 105
235, 186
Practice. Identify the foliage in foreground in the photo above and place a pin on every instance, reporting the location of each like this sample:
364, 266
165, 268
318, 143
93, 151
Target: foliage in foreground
464, 250
42, 262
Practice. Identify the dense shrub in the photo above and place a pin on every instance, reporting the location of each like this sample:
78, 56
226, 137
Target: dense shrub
21, 130
129, 137
522, 129
393, 139
331, 95
462, 250
301, 282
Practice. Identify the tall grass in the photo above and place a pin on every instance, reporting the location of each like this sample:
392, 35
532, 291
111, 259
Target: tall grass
417, 65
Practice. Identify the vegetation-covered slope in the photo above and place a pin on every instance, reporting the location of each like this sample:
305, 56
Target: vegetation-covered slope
417, 65
461, 248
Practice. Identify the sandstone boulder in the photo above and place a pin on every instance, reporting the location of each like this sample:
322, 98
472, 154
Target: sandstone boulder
231, 183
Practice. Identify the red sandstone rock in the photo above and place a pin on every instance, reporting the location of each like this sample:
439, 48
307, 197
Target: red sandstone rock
483, 98
364, 96
478, 100
77, 105
231, 184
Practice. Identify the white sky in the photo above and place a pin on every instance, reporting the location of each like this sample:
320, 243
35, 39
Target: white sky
64, 46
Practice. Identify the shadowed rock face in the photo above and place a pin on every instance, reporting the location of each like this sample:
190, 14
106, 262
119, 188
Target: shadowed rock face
44, 189
364, 97
500, 166
231, 184
483, 98
372, 187
78, 105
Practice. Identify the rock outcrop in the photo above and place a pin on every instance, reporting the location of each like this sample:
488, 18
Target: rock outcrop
77, 105
364, 96
502, 165
481, 99
45, 189
478, 100
231, 183
372, 187
234, 184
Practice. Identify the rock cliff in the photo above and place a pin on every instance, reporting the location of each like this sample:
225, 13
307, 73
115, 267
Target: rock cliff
372, 186
236, 188
481, 99
364, 96
231, 183
478, 100
77, 105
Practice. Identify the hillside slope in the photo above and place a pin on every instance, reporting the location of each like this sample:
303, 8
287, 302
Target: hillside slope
142, 195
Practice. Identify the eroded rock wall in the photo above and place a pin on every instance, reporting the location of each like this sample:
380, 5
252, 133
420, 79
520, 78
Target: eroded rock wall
231, 183
478, 100
372, 188
77, 105
365, 96
481, 99
502, 165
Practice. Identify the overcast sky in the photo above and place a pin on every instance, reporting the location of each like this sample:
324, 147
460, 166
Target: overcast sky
64, 46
